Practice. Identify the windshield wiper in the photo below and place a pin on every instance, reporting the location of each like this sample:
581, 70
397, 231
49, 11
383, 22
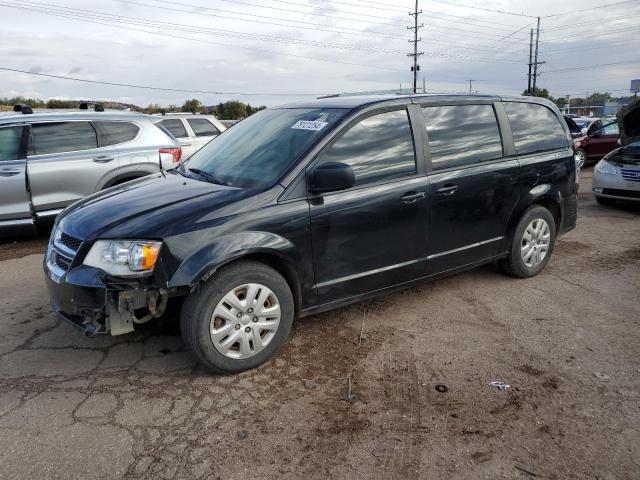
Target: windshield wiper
210, 178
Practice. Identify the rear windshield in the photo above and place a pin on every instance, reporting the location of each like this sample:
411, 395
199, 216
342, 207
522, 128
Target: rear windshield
259, 150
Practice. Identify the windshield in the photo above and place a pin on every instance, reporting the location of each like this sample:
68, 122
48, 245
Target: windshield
259, 150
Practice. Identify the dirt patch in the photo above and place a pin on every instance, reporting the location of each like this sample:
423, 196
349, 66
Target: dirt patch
17, 248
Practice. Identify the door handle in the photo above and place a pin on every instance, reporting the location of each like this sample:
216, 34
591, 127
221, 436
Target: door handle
9, 172
103, 159
412, 197
186, 144
447, 190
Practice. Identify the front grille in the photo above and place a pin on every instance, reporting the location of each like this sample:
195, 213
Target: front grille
631, 174
70, 242
62, 250
63, 262
621, 193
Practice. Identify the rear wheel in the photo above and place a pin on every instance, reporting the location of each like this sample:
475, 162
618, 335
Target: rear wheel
532, 243
239, 318
581, 157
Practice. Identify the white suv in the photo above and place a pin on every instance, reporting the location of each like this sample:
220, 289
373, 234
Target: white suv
193, 131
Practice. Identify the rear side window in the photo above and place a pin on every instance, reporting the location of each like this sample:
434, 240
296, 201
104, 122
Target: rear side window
535, 128
62, 137
378, 148
175, 126
202, 127
112, 133
10, 142
462, 135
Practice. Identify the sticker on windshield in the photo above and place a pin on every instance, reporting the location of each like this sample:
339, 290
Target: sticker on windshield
313, 125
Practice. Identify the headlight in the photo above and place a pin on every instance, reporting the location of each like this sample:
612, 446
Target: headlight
123, 257
606, 168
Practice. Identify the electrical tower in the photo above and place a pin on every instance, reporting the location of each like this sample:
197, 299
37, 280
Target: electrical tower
415, 67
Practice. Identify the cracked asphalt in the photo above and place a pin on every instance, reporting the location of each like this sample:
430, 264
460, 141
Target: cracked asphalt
138, 407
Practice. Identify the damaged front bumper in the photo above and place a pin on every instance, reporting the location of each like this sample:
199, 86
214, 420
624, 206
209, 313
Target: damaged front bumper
93, 302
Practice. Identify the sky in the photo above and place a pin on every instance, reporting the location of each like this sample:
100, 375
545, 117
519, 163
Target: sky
288, 50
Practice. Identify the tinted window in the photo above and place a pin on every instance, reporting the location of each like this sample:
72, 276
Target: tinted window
112, 133
62, 137
462, 134
535, 128
258, 151
378, 148
10, 140
202, 127
175, 126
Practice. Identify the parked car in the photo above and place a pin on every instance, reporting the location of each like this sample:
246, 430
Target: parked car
50, 160
585, 122
193, 131
617, 176
308, 207
599, 140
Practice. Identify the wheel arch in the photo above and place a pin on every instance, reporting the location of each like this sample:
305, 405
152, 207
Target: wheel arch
541, 195
267, 248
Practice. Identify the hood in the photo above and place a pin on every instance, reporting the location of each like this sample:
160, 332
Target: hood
145, 207
629, 123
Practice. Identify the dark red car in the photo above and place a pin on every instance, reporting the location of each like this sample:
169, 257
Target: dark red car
599, 140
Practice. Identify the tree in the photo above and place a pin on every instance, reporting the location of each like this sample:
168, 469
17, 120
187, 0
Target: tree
193, 106
539, 92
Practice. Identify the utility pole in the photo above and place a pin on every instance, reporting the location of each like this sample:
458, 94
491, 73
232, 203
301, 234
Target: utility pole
535, 60
415, 68
470, 85
530, 61
424, 85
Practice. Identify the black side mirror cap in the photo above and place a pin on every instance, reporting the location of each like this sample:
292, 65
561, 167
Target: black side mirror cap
331, 177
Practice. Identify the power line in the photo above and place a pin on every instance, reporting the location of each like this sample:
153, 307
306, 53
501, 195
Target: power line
597, 22
238, 2
316, 26
149, 87
165, 34
589, 8
102, 18
595, 34
585, 67
504, 12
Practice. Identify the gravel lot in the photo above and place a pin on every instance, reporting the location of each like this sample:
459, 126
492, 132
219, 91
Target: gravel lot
137, 406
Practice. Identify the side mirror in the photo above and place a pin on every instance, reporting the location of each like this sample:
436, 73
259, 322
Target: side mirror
331, 177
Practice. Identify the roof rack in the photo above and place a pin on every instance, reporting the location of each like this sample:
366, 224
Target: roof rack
97, 107
24, 109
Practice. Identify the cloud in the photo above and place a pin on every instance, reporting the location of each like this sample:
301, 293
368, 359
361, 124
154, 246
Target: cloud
459, 43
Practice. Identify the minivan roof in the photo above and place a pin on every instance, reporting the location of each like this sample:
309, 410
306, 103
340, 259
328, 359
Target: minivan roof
358, 101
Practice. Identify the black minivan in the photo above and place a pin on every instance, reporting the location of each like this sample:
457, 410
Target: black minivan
311, 206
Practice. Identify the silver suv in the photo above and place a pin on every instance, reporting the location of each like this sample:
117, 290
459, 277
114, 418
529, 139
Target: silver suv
50, 160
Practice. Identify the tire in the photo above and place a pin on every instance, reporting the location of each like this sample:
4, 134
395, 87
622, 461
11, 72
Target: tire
581, 155
516, 264
264, 336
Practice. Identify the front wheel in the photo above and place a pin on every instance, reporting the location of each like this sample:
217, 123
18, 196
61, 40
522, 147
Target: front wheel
238, 318
532, 243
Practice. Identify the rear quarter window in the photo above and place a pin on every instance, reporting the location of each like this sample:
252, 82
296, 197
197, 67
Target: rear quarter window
175, 127
535, 128
202, 127
113, 133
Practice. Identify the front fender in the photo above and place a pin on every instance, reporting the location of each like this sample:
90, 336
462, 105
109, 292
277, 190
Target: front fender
230, 247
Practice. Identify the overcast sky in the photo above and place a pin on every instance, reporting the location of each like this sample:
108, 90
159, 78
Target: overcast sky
296, 47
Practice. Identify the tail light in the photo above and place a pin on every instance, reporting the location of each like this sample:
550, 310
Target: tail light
176, 153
